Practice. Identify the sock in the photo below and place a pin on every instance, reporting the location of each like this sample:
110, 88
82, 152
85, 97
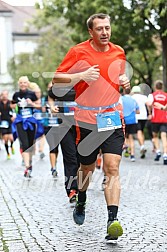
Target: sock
112, 212
11, 144
7, 148
29, 167
82, 196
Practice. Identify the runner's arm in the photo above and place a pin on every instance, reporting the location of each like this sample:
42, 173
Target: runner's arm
70, 79
160, 106
53, 108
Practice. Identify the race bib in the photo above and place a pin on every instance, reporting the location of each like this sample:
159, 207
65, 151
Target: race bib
108, 121
26, 112
69, 108
4, 124
38, 115
53, 122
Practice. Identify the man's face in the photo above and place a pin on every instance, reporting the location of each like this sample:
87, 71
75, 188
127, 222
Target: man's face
23, 84
4, 95
101, 31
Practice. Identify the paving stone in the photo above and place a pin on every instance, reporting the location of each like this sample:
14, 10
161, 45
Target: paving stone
35, 214
16, 246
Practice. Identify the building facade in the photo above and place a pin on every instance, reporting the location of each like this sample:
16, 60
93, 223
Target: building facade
15, 38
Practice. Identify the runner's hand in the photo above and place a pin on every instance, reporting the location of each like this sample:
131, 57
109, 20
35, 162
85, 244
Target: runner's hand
54, 109
29, 102
158, 105
124, 81
91, 74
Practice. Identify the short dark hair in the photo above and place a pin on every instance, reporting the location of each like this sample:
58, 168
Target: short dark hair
127, 90
159, 84
92, 17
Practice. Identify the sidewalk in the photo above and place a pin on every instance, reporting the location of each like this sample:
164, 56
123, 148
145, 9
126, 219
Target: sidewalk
35, 214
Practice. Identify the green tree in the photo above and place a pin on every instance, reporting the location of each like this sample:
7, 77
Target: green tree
132, 28
20, 65
144, 65
153, 13
128, 31
76, 13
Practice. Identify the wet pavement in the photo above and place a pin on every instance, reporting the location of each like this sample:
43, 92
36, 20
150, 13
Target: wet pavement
35, 214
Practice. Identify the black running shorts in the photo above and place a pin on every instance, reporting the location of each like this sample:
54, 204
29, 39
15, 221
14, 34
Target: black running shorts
91, 142
159, 127
130, 129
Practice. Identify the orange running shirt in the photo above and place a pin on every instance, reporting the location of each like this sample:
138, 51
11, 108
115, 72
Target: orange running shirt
99, 93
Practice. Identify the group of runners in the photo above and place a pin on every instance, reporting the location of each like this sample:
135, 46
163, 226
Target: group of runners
91, 74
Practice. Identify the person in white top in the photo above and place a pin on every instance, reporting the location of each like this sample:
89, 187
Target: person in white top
142, 117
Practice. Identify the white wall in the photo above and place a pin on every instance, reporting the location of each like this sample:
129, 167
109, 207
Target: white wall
24, 45
11, 45
6, 47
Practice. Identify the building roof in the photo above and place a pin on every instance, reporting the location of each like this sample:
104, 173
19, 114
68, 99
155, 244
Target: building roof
20, 17
4, 7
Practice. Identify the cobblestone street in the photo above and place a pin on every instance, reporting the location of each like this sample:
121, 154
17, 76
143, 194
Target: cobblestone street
35, 214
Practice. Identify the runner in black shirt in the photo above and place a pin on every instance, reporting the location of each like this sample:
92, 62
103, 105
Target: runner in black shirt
25, 126
6, 115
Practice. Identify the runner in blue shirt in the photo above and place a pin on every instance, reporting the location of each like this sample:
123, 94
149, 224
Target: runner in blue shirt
130, 109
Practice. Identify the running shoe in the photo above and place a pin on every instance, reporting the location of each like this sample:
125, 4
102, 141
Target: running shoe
8, 156
158, 155
127, 152
27, 172
143, 153
54, 172
13, 151
114, 230
165, 160
132, 158
42, 155
72, 196
79, 213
